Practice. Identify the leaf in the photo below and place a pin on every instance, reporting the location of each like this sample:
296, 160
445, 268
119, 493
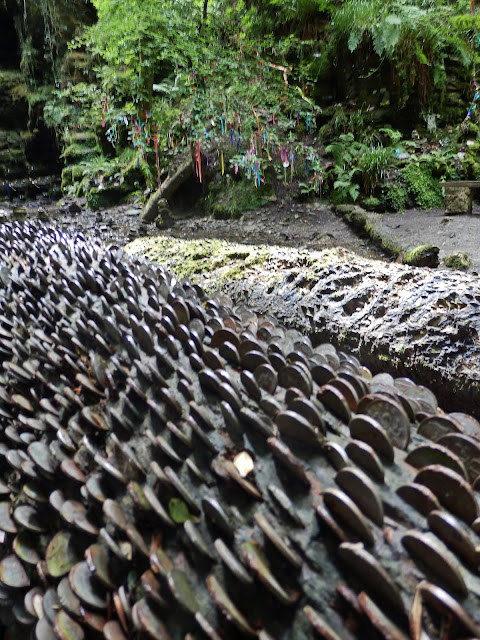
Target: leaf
354, 40
178, 510
353, 191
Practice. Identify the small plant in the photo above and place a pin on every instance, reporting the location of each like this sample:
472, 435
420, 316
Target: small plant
373, 164
422, 185
394, 197
460, 261
372, 203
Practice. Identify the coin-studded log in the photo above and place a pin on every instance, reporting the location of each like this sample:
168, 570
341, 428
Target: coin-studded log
414, 322
175, 467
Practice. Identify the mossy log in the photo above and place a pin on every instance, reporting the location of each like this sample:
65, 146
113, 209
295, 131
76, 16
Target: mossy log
174, 466
409, 321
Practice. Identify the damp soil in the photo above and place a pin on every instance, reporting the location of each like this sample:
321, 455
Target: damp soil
313, 226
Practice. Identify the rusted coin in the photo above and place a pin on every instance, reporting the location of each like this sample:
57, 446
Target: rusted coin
370, 571
277, 360
453, 534
419, 497
347, 390
467, 449
342, 507
390, 415
182, 591
447, 606
355, 380
427, 550
436, 426
295, 426
296, 376
323, 373
285, 504
322, 627
468, 423
382, 623
228, 608
251, 385
266, 377
271, 406
292, 394
197, 540
256, 561
363, 455
434, 453
288, 460
212, 359
453, 492
280, 542
369, 430
362, 491
336, 454
334, 400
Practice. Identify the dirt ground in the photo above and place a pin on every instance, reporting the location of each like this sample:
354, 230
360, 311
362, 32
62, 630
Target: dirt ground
317, 226
312, 225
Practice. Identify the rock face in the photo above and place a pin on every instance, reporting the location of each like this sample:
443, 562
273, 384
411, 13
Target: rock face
458, 201
177, 467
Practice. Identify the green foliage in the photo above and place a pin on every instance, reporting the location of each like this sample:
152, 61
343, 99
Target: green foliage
372, 204
393, 135
460, 261
229, 199
422, 186
373, 164
417, 38
394, 197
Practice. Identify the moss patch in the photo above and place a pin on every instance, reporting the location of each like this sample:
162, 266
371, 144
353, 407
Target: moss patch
359, 219
228, 199
423, 256
216, 263
460, 261
422, 186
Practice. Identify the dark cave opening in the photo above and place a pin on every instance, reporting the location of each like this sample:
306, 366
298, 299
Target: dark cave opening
9, 48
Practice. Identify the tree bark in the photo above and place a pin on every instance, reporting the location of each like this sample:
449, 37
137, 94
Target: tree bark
168, 188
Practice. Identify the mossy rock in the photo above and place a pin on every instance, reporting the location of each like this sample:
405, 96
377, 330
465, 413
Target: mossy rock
103, 198
77, 172
394, 197
66, 178
84, 137
13, 155
460, 261
422, 186
76, 151
423, 256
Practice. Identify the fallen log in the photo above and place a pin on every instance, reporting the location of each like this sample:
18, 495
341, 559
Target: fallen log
409, 321
175, 467
167, 190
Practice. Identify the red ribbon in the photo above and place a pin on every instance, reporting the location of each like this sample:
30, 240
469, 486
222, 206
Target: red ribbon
103, 111
198, 162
